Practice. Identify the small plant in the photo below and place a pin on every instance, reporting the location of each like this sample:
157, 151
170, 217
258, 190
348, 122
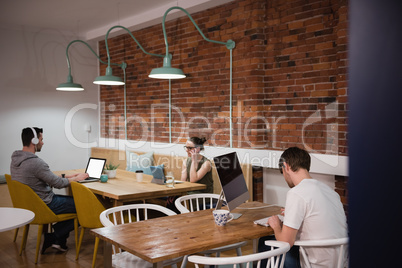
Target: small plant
110, 166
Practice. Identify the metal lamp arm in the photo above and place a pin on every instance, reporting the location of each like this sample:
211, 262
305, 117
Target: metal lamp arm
229, 44
90, 48
132, 36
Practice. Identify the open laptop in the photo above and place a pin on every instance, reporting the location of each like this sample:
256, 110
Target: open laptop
94, 169
158, 175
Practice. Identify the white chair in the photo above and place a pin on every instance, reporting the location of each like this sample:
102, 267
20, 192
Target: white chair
196, 202
338, 242
124, 214
276, 257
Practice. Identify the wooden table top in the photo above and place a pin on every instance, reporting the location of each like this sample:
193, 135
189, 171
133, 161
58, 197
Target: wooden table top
124, 187
169, 237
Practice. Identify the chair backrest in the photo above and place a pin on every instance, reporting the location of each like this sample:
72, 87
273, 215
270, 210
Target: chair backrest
276, 257
195, 202
14, 197
28, 199
87, 205
340, 243
130, 213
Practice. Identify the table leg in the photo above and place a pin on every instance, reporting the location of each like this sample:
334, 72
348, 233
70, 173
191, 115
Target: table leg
117, 203
255, 245
158, 265
107, 254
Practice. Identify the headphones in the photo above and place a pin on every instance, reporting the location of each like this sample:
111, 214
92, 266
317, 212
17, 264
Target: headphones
35, 139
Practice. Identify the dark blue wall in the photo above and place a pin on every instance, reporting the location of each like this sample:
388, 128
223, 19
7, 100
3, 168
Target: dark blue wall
375, 133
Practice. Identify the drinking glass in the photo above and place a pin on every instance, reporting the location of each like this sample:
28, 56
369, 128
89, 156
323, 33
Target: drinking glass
170, 179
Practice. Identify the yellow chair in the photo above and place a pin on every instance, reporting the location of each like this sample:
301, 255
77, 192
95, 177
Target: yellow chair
88, 210
28, 199
14, 198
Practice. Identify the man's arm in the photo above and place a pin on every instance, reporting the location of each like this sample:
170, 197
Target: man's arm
282, 232
77, 177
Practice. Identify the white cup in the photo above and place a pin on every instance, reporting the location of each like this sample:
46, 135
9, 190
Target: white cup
222, 216
138, 174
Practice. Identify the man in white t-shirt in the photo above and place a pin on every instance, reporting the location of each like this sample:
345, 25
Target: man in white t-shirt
313, 210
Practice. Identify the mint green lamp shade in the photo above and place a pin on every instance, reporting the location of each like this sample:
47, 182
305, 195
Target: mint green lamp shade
109, 79
69, 85
167, 71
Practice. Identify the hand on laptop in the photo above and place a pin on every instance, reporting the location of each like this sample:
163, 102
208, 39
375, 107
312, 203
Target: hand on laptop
78, 177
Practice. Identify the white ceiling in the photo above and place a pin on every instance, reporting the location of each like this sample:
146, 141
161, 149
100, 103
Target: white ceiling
90, 19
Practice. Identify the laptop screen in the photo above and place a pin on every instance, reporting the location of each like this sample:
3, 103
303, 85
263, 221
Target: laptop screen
95, 167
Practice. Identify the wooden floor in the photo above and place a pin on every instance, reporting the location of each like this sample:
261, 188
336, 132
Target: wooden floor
9, 250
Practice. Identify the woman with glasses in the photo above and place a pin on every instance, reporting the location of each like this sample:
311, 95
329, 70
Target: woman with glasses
197, 168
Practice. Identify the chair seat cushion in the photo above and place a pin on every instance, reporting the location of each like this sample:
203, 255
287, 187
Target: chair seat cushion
66, 216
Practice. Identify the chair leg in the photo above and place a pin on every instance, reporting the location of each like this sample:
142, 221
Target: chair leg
40, 231
238, 252
15, 234
24, 238
184, 262
95, 251
77, 253
76, 233
209, 255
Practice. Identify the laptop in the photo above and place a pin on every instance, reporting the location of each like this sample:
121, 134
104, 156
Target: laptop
94, 169
158, 175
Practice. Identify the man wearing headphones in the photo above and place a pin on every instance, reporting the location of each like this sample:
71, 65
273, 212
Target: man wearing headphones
27, 168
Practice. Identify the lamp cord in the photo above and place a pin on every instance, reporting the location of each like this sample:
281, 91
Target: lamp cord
125, 101
231, 105
229, 44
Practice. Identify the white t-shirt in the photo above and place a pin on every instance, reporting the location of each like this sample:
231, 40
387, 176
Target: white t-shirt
315, 209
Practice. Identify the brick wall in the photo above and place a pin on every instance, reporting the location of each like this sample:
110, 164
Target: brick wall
289, 78
341, 187
258, 184
306, 67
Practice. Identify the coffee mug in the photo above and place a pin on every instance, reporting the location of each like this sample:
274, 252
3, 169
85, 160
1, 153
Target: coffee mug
104, 178
138, 174
222, 216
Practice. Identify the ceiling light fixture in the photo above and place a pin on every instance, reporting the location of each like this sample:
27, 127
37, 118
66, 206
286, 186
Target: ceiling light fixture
70, 85
109, 79
167, 71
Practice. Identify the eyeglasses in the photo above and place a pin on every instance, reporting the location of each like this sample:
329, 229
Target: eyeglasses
188, 148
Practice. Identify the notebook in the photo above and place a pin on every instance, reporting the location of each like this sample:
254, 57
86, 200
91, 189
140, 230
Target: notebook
94, 169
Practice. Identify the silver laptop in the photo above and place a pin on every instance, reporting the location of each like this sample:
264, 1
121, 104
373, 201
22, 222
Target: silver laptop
94, 169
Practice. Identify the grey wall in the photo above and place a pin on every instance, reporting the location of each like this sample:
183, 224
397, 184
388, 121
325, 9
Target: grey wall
33, 63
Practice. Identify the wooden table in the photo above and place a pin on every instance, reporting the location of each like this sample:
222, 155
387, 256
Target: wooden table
125, 188
11, 218
170, 237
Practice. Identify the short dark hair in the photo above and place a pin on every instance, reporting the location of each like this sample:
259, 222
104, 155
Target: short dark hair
198, 142
27, 135
296, 158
